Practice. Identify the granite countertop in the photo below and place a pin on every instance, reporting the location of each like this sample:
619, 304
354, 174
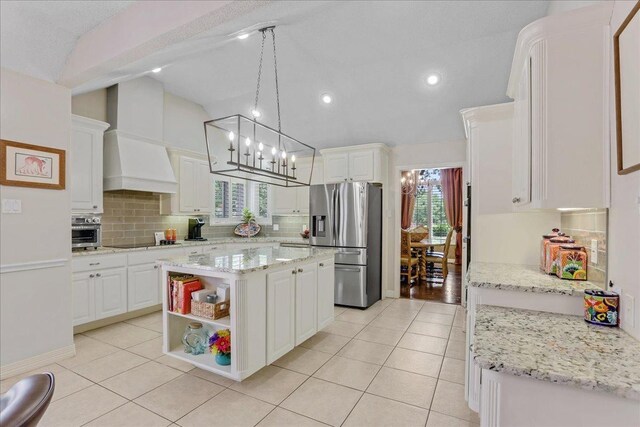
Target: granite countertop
185, 244
522, 278
558, 348
247, 260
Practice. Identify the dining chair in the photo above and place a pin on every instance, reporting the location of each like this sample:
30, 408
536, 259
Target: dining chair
26, 401
441, 257
408, 262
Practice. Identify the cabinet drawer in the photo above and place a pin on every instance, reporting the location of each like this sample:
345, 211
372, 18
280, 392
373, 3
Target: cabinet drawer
146, 257
87, 263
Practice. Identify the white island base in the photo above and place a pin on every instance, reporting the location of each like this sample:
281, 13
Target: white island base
279, 297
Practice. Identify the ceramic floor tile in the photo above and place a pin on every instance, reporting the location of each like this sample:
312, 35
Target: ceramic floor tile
433, 307
459, 319
441, 319
385, 302
348, 372
122, 335
178, 397
380, 335
372, 411
282, 418
415, 361
405, 303
151, 349
271, 384
303, 360
141, 379
175, 363
404, 386
81, 407
325, 342
399, 313
449, 400
431, 329
345, 329
366, 351
456, 350
108, 366
87, 349
391, 323
129, 415
228, 408
452, 370
323, 401
68, 382
7, 383
210, 376
356, 316
457, 334
440, 420
337, 311
151, 321
423, 343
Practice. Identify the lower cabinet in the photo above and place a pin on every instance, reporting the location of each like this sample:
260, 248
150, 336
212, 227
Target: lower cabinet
84, 306
143, 286
281, 303
99, 294
306, 301
326, 290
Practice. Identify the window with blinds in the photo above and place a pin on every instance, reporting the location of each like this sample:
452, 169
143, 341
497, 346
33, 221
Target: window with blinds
238, 198
220, 199
231, 196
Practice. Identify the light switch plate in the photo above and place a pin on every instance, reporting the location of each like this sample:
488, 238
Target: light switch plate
628, 307
11, 206
594, 251
276, 227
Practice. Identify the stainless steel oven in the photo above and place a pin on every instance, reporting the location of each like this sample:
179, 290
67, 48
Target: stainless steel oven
85, 232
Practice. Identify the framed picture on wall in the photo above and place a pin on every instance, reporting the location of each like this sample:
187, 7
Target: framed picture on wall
26, 165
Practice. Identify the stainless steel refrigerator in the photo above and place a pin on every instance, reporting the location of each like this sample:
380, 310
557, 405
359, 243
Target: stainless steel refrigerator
348, 217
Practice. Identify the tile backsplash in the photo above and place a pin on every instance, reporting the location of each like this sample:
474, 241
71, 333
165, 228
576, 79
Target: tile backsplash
133, 216
584, 226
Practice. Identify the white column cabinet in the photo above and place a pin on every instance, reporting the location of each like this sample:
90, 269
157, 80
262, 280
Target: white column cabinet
142, 286
110, 287
326, 289
281, 302
306, 301
85, 162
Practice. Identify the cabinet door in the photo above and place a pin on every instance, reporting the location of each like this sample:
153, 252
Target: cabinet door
306, 301
336, 167
83, 298
110, 292
302, 193
86, 170
285, 200
326, 286
187, 185
281, 300
361, 166
521, 171
142, 286
204, 188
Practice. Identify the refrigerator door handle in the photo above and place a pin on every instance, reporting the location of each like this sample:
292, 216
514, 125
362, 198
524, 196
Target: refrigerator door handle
333, 203
353, 269
350, 252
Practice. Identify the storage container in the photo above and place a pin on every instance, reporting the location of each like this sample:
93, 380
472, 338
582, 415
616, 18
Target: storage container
551, 251
601, 307
543, 247
571, 262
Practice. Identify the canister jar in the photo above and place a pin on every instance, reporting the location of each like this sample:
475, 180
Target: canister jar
543, 247
571, 262
552, 248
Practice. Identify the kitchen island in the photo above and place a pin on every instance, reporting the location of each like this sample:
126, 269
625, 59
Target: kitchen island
278, 298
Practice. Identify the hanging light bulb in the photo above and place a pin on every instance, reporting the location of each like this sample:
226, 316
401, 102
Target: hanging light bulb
247, 142
403, 180
260, 147
255, 113
273, 151
293, 158
232, 136
284, 154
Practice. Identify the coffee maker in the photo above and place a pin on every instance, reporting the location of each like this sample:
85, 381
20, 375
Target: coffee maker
195, 226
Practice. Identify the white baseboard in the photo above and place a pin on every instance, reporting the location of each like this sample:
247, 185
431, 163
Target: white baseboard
35, 362
390, 293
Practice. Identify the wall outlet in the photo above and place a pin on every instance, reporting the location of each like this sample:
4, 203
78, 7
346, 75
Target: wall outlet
628, 310
276, 227
11, 206
594, 251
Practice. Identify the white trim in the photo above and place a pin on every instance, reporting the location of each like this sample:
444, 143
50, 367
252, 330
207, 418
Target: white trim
391, 293
35, 362
33, 265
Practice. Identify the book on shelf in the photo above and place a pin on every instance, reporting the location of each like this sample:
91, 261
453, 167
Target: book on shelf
180, 289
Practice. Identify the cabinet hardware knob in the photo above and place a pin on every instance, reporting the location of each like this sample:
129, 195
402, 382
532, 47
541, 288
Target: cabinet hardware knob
321, 264
155, 266
300, 270
95, 206
94, 263
194, 252
293, 272
91, 276
98, 274
515, 200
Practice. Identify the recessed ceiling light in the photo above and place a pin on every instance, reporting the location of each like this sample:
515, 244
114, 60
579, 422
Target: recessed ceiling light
156, 70
243, 36
433, 79
326, 98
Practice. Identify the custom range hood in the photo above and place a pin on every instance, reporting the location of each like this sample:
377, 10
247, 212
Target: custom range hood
135, 157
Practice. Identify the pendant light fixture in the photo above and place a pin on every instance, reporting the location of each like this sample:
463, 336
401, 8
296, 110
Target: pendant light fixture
242, 147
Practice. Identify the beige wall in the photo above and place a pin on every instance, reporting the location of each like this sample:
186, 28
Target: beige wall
35, 304
91, 104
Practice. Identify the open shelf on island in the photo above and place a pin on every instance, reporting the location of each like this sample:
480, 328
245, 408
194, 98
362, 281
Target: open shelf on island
224, 322
205, 361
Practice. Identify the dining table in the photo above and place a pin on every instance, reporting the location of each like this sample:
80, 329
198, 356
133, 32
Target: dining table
423, 247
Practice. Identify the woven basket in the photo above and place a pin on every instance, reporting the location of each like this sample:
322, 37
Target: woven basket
419, 233
210, 311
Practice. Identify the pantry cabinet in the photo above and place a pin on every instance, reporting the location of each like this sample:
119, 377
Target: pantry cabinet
281, 302
559, 82
306, 301
356, 163
195, 187
85, 164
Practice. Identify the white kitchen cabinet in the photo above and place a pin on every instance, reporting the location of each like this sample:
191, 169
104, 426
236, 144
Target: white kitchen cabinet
195, 187
356, 163
295, 200
326, 291
85, 161
142, 286
281, 302
110, 287
561, 154
306, 301
83, 299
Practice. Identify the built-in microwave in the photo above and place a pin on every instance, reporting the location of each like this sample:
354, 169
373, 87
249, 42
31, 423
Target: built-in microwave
85, 232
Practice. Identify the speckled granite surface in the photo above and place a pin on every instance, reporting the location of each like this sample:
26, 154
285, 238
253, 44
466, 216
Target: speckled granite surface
242, 261
185, 244
522, 278
558, 348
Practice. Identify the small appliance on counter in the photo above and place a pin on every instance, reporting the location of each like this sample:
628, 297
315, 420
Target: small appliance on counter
85, 232
195, 229
601, 307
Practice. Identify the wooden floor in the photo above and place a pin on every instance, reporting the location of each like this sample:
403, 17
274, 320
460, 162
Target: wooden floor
448, 292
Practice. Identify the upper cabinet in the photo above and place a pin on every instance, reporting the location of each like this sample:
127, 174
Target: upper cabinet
559, 82
295, 200
86, 164
195, 187
356, 163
